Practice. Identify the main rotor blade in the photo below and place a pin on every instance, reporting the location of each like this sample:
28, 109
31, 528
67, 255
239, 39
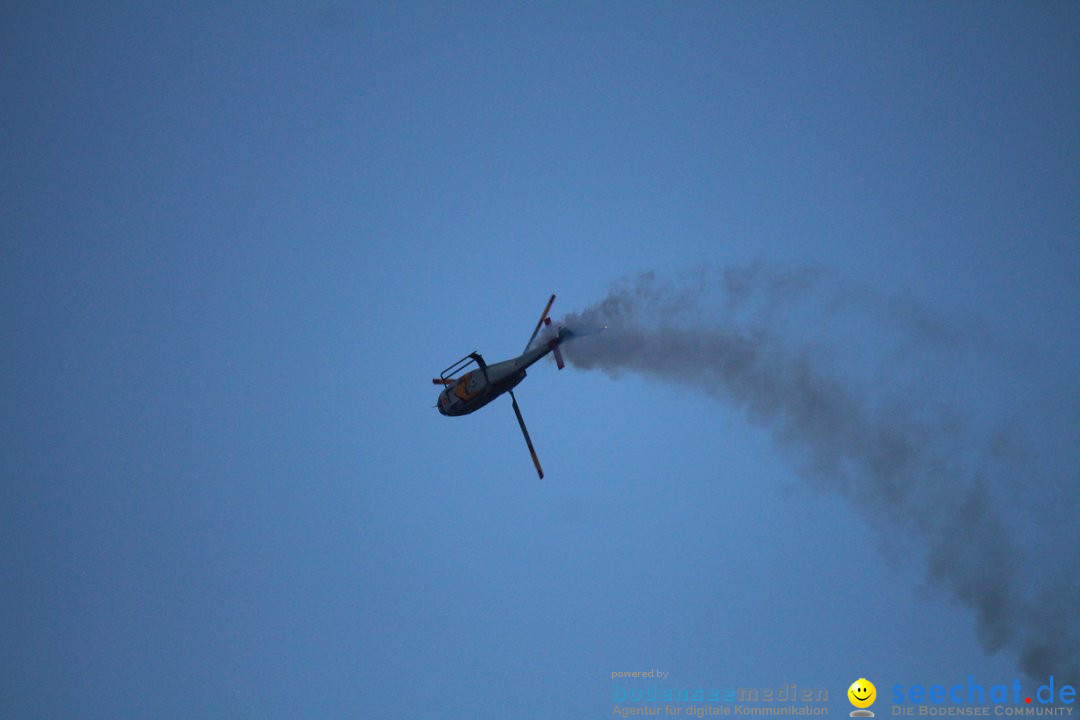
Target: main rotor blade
525, 432
540, 322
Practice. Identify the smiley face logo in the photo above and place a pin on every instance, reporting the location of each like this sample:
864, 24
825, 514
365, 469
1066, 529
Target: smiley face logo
862, 693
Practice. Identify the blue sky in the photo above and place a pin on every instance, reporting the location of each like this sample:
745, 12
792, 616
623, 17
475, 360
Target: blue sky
239, 241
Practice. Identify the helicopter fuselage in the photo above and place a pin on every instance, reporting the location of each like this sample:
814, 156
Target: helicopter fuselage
476, 388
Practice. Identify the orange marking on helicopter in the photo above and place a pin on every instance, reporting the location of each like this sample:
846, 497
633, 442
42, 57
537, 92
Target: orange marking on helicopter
462, 388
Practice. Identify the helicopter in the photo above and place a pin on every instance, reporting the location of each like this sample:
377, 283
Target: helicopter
466, 388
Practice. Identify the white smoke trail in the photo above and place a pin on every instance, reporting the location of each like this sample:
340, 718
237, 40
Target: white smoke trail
843, 378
